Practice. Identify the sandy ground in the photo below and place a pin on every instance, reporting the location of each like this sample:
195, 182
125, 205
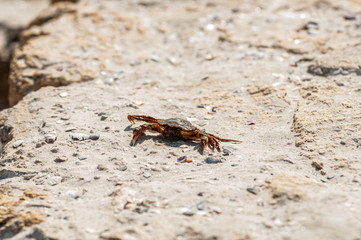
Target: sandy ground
282, 78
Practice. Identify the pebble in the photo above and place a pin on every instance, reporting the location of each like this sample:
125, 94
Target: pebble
109, 80
203, 123
317, 165
181, 210
216, 209
138, 103
278, 222
147, 175
122, 168
18, 143
212, 160
226, 152
189, 213
182, 159
69, 129
38, 145
166, 168
201, 205
63, 94
306, 78
54, 150
82, 158
79, 136
54, 181
65, 118
61, 159
73, 194
173, 61
330, 177
50, 138
101, 167
155, 58
94, 136
104, 114
253, 190
349, 16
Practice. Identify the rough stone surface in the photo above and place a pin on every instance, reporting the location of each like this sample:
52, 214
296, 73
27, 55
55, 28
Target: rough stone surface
250, 65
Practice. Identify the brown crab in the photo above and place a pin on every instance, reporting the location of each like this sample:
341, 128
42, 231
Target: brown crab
176, 127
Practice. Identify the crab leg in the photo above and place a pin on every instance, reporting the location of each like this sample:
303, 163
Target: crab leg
214, 143
144, 118
138, 131
204, 141
220, 139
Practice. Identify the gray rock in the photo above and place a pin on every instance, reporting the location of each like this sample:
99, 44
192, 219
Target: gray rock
189, 213
122, 168
226, 152
254, 190
94, 136
54, 180
104, 114
201, 205
101, 167
147, 175
212, 160
54, 150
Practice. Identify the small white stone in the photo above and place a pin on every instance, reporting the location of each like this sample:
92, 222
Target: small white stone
138, 103
63, 94
18, 143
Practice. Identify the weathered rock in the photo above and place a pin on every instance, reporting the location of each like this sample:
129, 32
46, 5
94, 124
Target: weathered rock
229, 55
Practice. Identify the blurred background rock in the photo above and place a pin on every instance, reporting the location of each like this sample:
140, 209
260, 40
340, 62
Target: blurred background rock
14, 16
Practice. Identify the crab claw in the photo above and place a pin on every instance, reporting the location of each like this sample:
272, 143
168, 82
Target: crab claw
131, 119
137, 132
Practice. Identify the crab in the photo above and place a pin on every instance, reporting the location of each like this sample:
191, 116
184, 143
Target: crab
176, 127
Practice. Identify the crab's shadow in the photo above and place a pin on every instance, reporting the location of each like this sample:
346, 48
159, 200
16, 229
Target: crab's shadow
174, 142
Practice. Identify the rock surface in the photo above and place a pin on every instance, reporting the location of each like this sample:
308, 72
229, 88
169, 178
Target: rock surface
260, 72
